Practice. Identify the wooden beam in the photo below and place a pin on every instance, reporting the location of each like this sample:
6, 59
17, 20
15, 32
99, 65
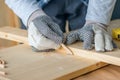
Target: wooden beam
108, 57
24, 64
80, 67
7, 18
14, 34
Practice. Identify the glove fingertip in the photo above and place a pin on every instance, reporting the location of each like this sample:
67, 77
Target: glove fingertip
46, 50
87, 47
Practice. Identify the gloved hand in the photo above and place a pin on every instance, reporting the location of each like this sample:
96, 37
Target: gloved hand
103, 41
43, 33
84, 34
89, 34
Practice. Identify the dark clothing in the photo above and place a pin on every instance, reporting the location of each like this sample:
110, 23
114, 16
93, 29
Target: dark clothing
72, 10
116, 12
62, 10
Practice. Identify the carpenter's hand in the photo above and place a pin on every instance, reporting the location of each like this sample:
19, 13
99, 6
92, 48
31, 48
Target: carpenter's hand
102, 40
89, 34
44, 34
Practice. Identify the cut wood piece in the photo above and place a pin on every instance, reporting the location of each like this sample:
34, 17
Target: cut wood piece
3, 78
68, 51
20, 35
108, 57
112, 57
24, 64
66, 67
110, 72
14, 34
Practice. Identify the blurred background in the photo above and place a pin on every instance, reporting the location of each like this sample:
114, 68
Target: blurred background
7, 18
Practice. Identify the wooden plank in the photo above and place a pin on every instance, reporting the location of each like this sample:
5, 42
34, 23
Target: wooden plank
7, 18
108, 57
110, 72
24, 64
14, 34
3, 78
81, 69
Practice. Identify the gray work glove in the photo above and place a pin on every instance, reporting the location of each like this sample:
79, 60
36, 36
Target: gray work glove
89, 34
48, 28
84, 34
43, 33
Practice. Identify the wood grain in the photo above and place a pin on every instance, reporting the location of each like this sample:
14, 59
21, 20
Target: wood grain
7, 18
108, 57
107, 73
112, 57
24, 64
73, 66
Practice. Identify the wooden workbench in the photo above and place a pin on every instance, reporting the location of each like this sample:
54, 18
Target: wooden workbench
27, 65
24, 64
110, 72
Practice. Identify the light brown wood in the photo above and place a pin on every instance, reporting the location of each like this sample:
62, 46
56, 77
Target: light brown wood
68, 51
2, 73
67, 73
107, 73
14, 34
108, 57
3, 78
112, 57
7, 18
24, 64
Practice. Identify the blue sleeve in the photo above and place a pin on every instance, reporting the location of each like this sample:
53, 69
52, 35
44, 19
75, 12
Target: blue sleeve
23, 8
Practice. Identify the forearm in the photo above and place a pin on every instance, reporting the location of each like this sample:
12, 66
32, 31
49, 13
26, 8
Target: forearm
100, 11
23, 8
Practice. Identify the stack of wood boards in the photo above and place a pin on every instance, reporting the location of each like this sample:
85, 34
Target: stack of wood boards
27, 65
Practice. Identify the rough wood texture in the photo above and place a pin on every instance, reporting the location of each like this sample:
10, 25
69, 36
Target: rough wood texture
107, 73
14, 34
108, 57
7, 18
24, 64
43, 67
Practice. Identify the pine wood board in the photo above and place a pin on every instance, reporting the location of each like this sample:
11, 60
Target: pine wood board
110, 72
24, 64
20, 36
14, 34
7, 18
108, 57
112, 57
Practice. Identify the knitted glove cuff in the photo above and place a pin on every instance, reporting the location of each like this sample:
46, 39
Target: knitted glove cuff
88, 22
36, 14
